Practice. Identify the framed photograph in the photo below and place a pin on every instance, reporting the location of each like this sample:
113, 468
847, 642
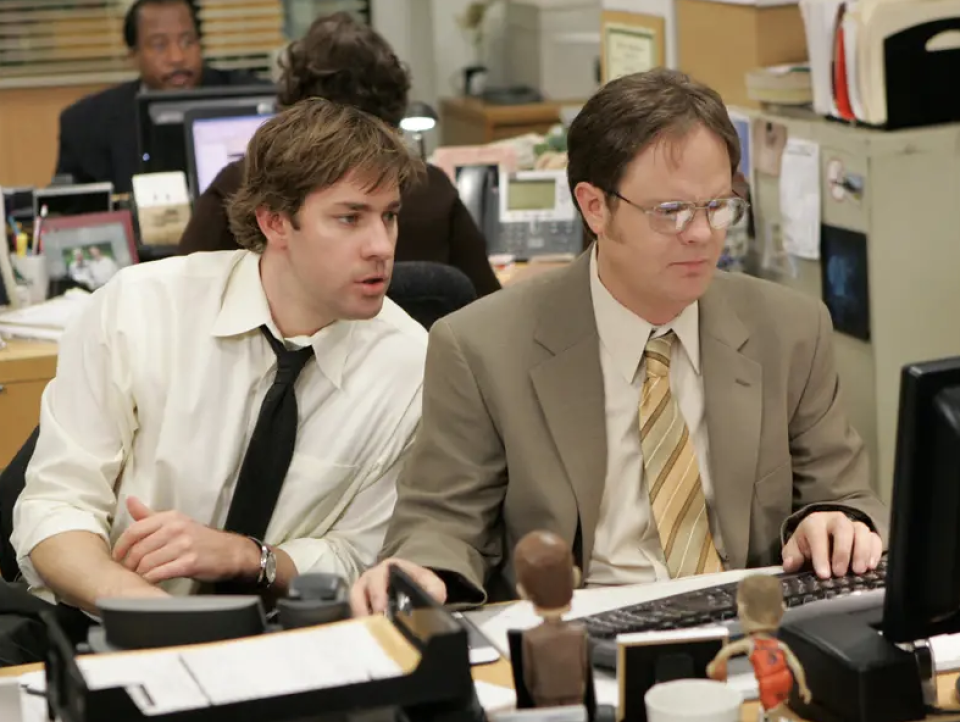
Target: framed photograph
90, 248
630, 43
450, 159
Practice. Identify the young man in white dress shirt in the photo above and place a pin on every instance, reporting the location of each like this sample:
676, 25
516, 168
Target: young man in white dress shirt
144, 431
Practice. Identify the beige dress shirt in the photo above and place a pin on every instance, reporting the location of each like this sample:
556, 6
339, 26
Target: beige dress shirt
158, 388
627, 549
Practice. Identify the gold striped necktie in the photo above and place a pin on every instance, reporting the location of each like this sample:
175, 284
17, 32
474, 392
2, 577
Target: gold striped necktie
672, 472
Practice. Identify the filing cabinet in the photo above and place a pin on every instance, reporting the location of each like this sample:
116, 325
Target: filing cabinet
901, 190
25, 369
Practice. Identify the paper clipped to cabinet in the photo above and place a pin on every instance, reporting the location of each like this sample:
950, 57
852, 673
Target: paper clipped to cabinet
800, 198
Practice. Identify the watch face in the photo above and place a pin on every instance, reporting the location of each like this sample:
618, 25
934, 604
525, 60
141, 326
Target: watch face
270, 570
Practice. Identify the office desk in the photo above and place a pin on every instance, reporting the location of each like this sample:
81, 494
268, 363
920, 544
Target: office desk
470, 121
499, 674
25, 369
521, 271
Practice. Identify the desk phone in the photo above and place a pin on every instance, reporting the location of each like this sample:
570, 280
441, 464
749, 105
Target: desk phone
524, 213
537, 215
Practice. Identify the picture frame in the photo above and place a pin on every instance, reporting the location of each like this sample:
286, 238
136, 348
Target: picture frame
844, 280
631, 42
90, 248
645, 659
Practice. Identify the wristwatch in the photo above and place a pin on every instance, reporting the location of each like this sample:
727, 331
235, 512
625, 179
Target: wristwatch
268, 565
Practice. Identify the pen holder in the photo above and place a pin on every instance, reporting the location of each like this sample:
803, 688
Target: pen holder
33, 271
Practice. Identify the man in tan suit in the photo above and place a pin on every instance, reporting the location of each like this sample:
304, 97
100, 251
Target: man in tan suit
660, 416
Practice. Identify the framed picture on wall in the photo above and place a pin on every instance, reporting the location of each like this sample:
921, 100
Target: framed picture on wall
844, 276
90, 248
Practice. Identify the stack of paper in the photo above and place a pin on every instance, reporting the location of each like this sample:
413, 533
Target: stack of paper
846, 46
819, 22
186, 678
43, 321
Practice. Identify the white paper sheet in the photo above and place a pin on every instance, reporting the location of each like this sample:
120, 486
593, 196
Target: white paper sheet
800, 198
287, 663
494, 698
819, 21
164, 681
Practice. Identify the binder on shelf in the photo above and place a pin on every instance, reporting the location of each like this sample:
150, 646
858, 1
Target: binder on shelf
883, 64
911, 55
440, 686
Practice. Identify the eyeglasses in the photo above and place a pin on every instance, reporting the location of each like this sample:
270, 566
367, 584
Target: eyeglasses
675, 216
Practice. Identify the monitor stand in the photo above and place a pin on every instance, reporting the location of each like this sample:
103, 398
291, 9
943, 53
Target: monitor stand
855, 674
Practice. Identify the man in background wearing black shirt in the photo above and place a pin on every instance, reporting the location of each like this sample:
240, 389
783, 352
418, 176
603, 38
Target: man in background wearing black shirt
98, 134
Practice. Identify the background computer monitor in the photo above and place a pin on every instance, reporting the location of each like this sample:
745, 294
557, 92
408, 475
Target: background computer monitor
160, 119
216, 137
73, 200
922, 597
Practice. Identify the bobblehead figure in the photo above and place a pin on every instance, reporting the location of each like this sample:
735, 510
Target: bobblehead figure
760, 608
555, 656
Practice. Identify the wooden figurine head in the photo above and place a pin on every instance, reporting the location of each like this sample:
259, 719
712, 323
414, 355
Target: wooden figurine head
546, 574
760, 603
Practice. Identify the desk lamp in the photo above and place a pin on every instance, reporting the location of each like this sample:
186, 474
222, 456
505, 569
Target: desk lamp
419, 119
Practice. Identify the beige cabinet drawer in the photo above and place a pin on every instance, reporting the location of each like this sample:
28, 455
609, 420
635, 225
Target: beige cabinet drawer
19, 414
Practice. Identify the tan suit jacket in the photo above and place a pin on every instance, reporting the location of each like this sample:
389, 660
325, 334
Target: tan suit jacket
513, 434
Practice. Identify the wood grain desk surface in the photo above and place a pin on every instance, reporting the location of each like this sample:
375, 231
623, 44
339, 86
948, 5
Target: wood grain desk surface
27, 360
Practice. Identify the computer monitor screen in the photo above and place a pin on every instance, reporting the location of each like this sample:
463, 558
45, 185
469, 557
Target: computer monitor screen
922, 597
73, 200
216, 138
160, 119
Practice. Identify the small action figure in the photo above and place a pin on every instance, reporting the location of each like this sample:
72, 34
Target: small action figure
555, 664
760, 608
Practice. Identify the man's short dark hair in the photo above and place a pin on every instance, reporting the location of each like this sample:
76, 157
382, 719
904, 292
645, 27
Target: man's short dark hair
346, 61
310, 146
131, 21
631, 113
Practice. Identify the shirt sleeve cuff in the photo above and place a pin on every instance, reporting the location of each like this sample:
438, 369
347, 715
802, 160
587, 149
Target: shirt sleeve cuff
793, 521
51, 523
322, 556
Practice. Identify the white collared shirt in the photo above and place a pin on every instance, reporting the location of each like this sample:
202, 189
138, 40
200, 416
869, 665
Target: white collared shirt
626, 546
158, 388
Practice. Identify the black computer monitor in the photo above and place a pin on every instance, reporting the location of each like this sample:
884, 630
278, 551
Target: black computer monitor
73, 200
922, 597
216, 137
160, 119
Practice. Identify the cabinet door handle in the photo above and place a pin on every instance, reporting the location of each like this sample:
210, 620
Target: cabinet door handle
2, 388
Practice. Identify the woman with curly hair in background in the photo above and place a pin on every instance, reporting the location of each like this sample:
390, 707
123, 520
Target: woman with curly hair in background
346, 61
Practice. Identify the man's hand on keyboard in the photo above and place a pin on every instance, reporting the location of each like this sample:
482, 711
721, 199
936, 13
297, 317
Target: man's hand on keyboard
834, 544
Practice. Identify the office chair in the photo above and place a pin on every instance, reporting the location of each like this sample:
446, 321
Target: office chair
12, 480
429, 291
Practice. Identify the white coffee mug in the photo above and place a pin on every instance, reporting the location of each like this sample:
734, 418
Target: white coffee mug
693, 700
34, 272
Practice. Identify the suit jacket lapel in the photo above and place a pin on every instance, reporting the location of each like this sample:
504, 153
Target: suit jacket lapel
732, 384
569, 387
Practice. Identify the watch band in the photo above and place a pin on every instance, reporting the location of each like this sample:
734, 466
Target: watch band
264, 559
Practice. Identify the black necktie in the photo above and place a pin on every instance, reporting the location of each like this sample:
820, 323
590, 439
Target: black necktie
271, 446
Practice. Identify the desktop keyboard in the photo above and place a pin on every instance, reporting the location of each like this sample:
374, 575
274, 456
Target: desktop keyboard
804, 595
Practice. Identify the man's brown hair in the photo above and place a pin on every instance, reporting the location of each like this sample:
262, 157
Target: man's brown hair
309, 147
347, 61
544, 567
629, 114
762, 596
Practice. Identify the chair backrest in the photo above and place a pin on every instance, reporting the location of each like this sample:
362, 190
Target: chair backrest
12, 480
429, 291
